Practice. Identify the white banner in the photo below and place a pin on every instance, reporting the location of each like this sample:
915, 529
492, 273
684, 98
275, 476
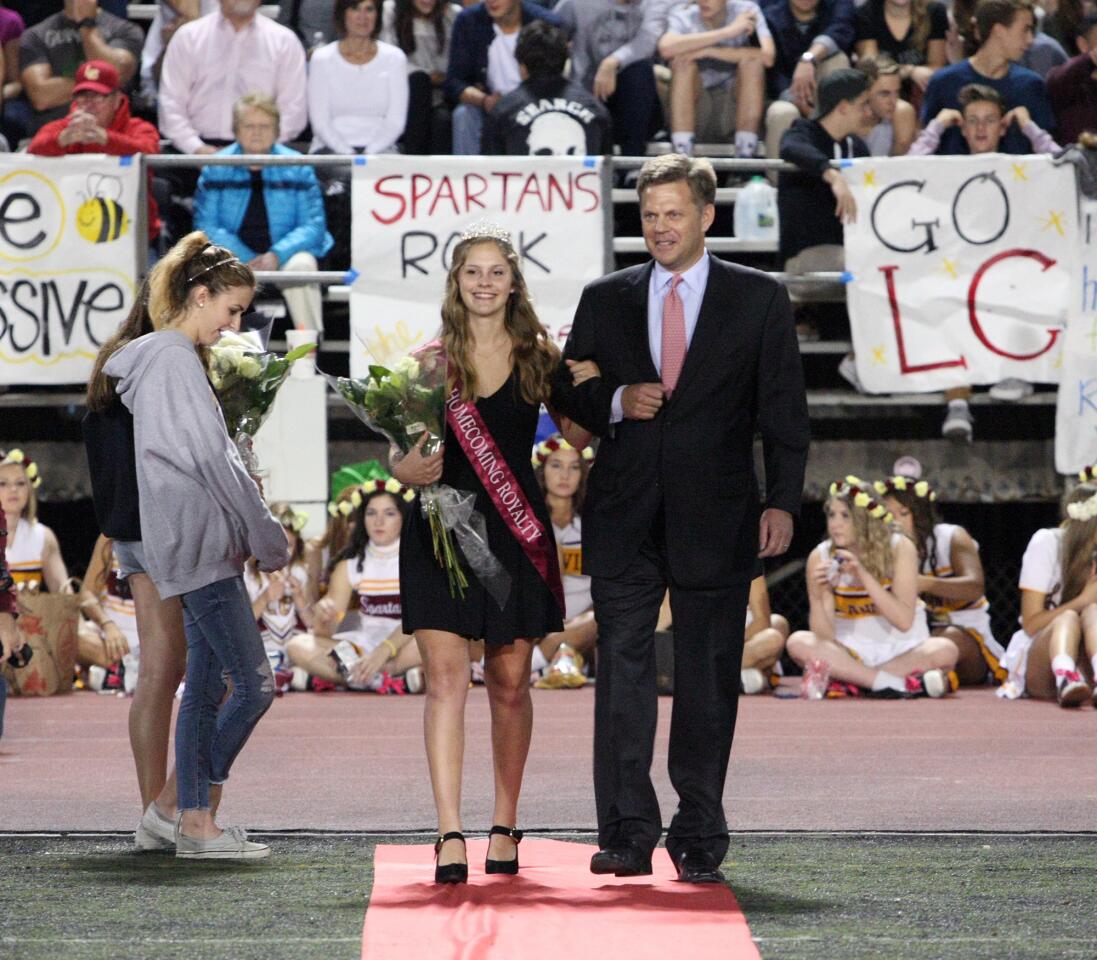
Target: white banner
960, 269
1076, 413
408, 214
67, 262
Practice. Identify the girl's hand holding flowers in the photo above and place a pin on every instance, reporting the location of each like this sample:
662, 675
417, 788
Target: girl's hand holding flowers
416, 470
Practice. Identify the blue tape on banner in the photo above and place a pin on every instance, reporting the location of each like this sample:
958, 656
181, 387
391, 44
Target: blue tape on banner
350, 276
845, 164
847, 277
125, 161
359, 161
588, 161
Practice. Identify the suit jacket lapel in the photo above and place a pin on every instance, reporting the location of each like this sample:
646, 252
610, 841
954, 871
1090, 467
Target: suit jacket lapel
636, 323
714, 305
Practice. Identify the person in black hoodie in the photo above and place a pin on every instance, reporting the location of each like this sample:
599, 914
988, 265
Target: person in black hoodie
547, 115
814, 201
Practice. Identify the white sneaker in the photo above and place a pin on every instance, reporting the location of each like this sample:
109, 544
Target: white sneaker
154, 832
752, 681
1011, 390
959, 424
233, 844
848, 369
414, 680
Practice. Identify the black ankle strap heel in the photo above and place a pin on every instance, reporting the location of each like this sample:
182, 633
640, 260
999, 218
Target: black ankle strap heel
504, 866
449, 872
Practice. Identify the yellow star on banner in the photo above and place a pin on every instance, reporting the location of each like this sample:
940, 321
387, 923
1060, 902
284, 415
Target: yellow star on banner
1055, 220
949, 267
870, 178
1020, 171
879, 355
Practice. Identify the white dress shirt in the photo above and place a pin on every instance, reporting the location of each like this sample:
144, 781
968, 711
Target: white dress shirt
691, 291
209, 65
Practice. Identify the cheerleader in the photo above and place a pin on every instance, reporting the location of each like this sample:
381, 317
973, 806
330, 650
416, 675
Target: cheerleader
107, 637
1058, 607
33, 554
376, 651
561, 471
281, 600
320, 550
866, 621
950, 578
766, 635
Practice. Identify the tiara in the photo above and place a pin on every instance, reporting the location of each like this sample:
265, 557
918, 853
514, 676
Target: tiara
17, 456
486, 230
920, 488
549, 446
854, 489
213, 266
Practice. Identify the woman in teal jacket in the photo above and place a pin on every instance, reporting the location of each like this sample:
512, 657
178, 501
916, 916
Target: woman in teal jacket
271, 217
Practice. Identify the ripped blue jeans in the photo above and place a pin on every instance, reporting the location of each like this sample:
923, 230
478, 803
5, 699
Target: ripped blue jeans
223, 642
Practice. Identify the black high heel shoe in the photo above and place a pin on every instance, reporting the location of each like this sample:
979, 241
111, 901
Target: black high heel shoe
504, 866
449, 872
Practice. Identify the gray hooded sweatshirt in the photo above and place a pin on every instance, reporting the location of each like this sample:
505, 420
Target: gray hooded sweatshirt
201, 514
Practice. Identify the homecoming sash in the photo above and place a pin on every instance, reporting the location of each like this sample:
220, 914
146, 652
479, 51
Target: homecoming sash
506, 493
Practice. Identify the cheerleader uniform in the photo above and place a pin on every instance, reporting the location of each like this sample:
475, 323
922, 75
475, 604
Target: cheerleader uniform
375, 578
1041, 572
971, 616
569, 539
117, 600
867, 635
26, 544
279, 620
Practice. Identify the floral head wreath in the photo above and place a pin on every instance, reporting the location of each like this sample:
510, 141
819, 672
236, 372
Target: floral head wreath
920, 488
856, 491
1088, 474
545, 448
20, 458
294, 520
391, 486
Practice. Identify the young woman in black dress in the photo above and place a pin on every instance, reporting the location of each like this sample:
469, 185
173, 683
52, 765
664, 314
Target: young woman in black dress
501, 360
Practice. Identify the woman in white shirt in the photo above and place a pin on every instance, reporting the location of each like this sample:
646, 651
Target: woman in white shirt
376, 650
562, 472
950, 578
358, 86
866, 621
422, 29
1058, 607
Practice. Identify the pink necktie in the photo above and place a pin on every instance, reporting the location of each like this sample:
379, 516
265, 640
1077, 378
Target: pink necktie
674, 337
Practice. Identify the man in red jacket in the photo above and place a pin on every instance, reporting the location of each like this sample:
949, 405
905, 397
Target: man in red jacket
99, 121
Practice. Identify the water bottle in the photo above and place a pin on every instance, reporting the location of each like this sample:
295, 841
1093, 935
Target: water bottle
756, 211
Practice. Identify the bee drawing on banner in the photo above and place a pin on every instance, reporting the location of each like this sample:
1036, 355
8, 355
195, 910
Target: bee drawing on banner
101, 218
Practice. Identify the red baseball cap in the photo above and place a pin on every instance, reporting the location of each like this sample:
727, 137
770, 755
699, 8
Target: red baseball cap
99, 76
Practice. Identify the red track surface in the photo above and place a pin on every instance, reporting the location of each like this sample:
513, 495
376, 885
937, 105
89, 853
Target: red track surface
355, 762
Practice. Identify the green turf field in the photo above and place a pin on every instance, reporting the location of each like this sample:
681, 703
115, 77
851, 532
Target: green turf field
805, 897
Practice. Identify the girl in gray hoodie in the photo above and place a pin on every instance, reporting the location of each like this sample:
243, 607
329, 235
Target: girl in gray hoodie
202, 516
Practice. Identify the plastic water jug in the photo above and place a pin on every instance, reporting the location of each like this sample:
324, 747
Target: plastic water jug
756, 211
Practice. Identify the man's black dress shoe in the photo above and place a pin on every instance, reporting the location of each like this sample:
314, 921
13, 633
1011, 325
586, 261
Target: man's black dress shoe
622, 861
697, 866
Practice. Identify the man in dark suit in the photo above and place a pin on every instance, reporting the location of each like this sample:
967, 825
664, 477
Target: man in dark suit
696, 355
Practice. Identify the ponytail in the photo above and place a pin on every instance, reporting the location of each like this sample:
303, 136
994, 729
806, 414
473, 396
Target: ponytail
101, 387
194, 261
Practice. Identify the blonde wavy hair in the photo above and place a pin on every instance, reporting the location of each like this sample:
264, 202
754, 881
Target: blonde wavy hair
535, 355
872, 535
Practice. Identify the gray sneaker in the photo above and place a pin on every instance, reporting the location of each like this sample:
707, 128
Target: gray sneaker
959, 425
154, 832
233, 844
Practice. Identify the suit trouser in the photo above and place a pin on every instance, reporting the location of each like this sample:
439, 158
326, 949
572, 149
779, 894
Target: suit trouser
708, 654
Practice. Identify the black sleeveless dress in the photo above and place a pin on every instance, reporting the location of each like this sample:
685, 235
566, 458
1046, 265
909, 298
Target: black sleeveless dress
531, 611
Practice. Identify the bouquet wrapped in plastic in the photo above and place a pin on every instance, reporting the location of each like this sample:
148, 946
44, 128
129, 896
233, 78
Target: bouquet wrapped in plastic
404, 403
247, 379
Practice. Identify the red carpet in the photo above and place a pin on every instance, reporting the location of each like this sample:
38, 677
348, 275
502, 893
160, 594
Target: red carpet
555, 909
